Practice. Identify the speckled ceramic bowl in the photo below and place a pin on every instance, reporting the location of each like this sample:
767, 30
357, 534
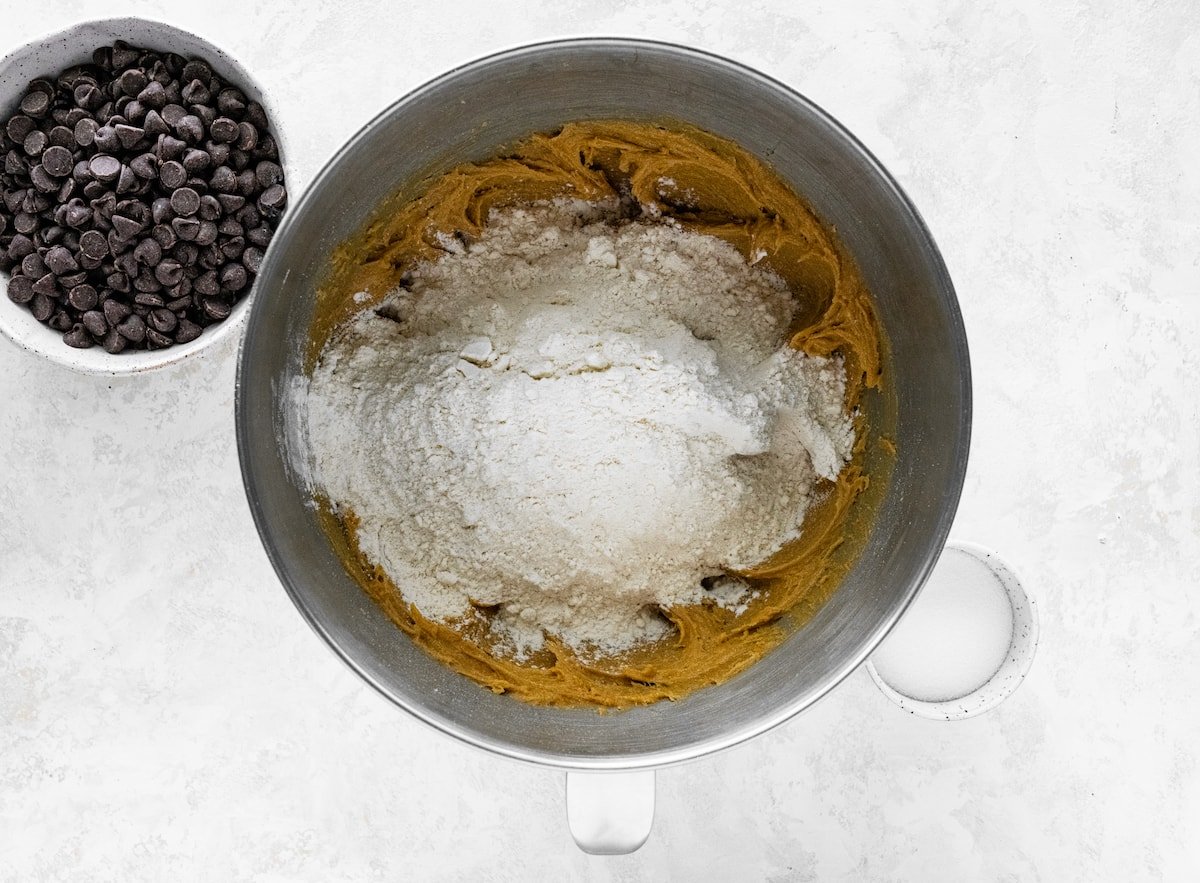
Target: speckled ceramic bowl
1021, 649
74, 45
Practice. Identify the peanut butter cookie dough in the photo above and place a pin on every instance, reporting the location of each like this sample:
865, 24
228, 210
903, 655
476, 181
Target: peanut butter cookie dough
708, 185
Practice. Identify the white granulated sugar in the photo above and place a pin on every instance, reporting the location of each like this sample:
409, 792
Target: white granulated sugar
575, 422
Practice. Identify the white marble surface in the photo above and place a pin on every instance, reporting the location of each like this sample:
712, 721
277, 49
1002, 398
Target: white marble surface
166, 715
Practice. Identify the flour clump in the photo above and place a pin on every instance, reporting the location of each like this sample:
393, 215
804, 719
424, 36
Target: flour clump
574, 422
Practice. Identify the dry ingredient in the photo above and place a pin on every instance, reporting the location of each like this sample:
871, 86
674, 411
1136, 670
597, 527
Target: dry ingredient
137, 197
570, 423
954, 638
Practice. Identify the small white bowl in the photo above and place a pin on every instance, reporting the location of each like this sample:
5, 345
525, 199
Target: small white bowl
74, 45
1017, 661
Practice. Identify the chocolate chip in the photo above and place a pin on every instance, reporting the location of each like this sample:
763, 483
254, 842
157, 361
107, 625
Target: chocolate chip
35, 104
133, 329
195, 92
218, 152
114, 342
61, 136
135, 112
95, 323
207, 283
153, 95
123, 55
148, 252
185, 201
129, 135
196, 161
207, 234
35, 142
88, 97
190, 129
78, 337
60, 321
126, 228
127, 263
169, 272
162, 321
268, 173
231, 101
83, 297
70, 280
20, 246
214, 308
187, 331
210, 207
33, 266
248, 182
164, 236
172, 114
196, 69
186, 228
58, 161
106, 139
154, 125
24, 222
205, 113
132, 82
160, 210
223, 129
42, 180
233, 247
20, 289
144, 165
115, 311
47, 285
233, 278
157, 340
187, 253
41, 306
15, 164
60, 261
172, 174
104, 167
247, 136
127, 182
267, 148
223, 180
168, 147
272, 200
230, 202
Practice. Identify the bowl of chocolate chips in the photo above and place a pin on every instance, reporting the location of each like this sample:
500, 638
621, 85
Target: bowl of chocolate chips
142, 179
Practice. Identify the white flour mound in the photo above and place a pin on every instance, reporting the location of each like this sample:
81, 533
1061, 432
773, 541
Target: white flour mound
575, 422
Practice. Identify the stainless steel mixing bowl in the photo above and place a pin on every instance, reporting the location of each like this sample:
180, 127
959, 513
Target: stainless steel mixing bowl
468, 114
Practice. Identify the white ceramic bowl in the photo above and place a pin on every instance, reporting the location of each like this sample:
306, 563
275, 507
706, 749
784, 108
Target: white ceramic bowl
74, 45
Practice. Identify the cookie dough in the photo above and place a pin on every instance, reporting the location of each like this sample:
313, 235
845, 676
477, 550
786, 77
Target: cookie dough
713, 186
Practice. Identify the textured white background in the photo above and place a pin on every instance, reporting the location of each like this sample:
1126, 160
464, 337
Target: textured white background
166, 715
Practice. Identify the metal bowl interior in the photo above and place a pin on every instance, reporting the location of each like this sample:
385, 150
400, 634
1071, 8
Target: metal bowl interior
74, 45
470, 113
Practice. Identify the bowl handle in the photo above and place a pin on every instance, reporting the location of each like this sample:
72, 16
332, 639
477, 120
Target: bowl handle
610, 813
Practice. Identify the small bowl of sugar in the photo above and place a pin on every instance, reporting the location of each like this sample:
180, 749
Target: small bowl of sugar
965, 644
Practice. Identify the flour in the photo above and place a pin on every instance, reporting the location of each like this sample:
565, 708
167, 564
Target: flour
571, 423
